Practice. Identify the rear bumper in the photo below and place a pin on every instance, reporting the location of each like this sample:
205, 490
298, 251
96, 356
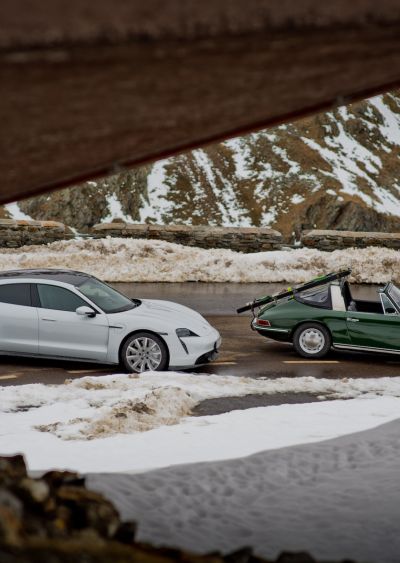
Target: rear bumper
281, 334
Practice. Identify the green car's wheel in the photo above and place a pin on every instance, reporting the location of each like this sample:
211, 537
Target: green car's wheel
312, 340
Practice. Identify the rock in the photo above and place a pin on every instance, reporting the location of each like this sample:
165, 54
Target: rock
12, 467
126, 532
58, 478
300, 557
33, 490
89, 509
11, 514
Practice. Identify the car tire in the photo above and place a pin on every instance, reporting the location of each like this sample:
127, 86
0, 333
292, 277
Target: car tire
312, 340
144, 351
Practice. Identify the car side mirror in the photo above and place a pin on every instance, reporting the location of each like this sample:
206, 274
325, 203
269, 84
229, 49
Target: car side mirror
390, 311
85, 311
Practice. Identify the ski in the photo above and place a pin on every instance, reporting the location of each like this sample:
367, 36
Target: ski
327, 278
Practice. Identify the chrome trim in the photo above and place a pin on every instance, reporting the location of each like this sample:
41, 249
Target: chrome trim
350, 319
270, 328
365, 348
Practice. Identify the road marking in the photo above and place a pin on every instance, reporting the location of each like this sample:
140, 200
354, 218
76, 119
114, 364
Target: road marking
224, 363
8, 376
311, 362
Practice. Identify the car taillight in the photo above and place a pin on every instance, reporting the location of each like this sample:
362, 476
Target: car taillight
262, 322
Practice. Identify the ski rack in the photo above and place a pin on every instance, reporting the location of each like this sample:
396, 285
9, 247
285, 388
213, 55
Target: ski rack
327, 278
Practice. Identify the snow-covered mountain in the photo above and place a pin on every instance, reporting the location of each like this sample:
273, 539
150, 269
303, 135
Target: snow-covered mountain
338, 170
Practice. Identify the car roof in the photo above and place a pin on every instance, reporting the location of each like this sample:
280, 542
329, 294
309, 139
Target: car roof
65, 276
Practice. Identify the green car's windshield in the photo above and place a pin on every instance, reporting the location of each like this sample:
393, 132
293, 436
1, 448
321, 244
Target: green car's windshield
394, 293
105, 297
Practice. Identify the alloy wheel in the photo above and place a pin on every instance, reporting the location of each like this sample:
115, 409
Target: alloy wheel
143, 354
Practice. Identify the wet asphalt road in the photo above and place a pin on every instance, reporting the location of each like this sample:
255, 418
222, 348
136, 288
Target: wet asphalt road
243, 352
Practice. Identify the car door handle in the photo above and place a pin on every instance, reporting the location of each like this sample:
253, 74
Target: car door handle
48, 319
352, 320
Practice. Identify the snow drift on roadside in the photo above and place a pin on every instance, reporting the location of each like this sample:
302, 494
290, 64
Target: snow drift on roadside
338, 499
129, 260
113, 423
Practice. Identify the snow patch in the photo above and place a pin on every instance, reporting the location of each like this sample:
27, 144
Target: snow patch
390, 129
16, 213
122, 259
156, 204
339, 499
162, 406
115, 210
120, 422
297, 198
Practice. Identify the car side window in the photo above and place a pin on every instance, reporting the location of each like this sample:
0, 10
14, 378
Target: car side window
317, 297
58, 298
388, 307
16, 294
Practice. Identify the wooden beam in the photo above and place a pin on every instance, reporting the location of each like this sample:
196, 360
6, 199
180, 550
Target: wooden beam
82, 100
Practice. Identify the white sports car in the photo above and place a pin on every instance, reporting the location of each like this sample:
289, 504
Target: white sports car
72, 315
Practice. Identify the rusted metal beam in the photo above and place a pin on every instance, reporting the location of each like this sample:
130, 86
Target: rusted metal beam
86, 91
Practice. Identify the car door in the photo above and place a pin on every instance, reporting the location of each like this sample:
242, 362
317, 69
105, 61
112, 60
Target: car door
19, 326
62, 332
374, 330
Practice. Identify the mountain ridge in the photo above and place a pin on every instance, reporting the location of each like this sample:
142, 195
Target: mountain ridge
337, 170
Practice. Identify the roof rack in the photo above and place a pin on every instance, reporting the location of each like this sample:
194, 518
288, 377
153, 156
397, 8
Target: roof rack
327, 278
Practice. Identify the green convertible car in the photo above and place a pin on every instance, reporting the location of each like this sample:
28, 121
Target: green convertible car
322, 313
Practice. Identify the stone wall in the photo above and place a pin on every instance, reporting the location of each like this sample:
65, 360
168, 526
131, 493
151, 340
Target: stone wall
14, 234
249, 239
334, 240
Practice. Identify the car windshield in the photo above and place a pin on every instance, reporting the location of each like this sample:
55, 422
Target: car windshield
105, 297
394, 293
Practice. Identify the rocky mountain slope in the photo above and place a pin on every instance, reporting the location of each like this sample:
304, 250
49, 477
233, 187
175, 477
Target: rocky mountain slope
337, 170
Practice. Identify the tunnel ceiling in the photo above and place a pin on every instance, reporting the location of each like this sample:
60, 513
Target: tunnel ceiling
90, 87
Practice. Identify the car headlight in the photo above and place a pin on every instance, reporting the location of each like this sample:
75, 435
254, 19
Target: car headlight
184, 333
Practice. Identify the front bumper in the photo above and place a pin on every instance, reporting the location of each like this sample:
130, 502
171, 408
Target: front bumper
200, 350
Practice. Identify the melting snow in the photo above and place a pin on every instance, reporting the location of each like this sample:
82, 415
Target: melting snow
82, 424
323, 489
119, 259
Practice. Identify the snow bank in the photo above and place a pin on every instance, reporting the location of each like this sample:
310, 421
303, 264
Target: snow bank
338, 500
120, 423
118, 259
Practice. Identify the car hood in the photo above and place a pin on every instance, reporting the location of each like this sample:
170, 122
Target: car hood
173, 314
